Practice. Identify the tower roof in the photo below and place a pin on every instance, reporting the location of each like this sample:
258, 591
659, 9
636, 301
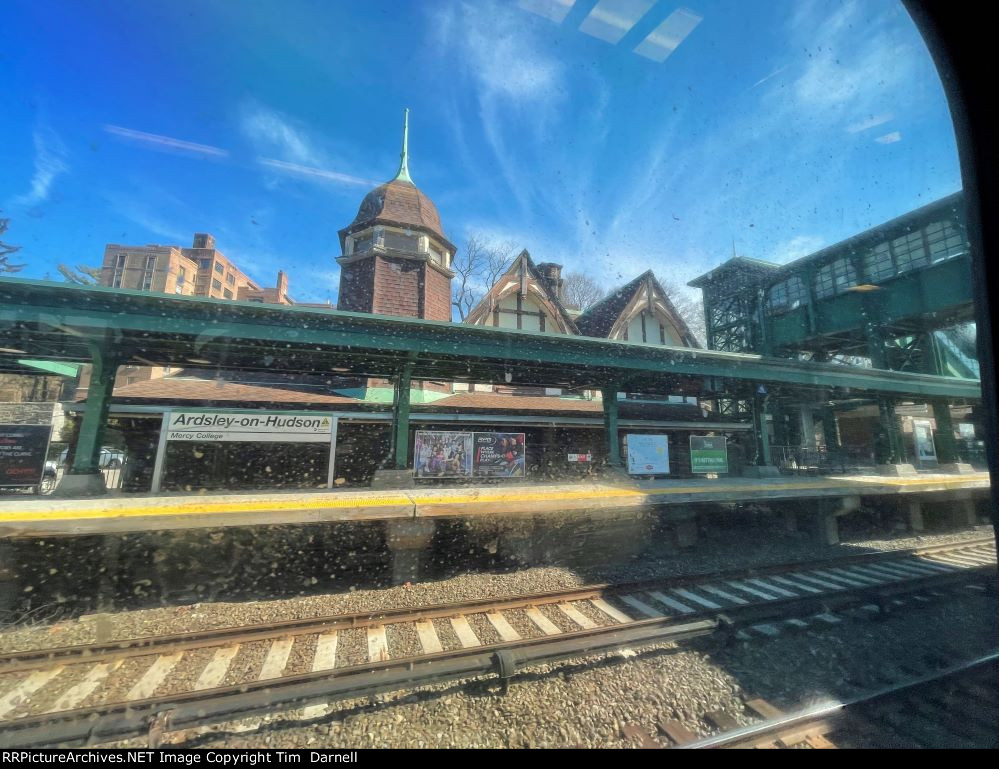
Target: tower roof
398, 202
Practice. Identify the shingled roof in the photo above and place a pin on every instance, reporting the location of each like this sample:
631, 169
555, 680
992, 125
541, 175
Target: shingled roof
524, 266
397, 203
599, 319
221, 392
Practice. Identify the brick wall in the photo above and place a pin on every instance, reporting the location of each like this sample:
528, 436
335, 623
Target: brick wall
356, 286
398, 289
438, 296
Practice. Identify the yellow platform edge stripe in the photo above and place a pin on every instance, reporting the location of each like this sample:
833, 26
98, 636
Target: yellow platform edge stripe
325, 502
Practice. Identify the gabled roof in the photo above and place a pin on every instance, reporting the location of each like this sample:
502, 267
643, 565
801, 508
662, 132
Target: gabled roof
600, 319
522, 275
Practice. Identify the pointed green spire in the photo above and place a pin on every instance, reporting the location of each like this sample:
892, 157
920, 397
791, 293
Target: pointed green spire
403, 175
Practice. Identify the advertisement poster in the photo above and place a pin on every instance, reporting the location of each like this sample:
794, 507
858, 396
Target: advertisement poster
466, 455
500, 455
922, 432
648, 454
708, 454
442, 455
22, 454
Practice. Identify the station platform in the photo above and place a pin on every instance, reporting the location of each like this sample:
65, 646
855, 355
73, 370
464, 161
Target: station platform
114, 513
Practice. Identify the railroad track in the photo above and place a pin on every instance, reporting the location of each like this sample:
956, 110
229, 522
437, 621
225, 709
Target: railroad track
119, 689
954, 707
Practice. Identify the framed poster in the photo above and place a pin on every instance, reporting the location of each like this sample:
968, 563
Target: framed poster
442, 454
22, 454
500, 455
922, 433
648, 454
708, 454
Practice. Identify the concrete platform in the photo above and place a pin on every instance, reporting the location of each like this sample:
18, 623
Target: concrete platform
133, 513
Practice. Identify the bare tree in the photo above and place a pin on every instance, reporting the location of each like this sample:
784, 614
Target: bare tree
6, 250
689, 306
81, 274
477, 267
581, 291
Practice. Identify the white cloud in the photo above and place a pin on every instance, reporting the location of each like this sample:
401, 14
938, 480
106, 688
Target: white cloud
795, 248
272, 133
288, 148
894, 136
165, 143
853, 63
871, 122
50, 162
318, 173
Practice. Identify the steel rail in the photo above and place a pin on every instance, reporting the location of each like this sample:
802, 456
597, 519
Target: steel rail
19, 661
833, 710
121, 720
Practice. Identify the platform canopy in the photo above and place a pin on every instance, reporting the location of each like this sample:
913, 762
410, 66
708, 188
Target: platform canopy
58, 322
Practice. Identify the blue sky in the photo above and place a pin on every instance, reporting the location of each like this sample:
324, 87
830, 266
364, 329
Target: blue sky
549, 124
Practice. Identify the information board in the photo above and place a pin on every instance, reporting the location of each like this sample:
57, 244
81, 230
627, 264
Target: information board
926, 451
648, 454
442, 454
209, 426
708, 454
22, 454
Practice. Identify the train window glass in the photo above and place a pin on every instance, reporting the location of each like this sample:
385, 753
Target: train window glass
478, 331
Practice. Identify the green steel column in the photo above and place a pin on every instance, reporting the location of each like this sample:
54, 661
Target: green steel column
932, 361
760, 428
889, 449
830, 430
400, 418
610, 425
781, 434
944, 441
86, 458
872, 331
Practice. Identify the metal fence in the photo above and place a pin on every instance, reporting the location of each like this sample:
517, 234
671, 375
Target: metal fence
800, 460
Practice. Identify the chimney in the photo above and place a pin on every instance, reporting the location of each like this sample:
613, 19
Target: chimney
551, 276
282, 285
203, 240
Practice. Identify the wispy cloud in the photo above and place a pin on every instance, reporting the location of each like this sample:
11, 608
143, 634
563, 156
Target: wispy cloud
50, 162
510, 80
871, 122
891, 138
165, 143
287, 147
318, 173
764, 79
796, 247
151, 218
274, 133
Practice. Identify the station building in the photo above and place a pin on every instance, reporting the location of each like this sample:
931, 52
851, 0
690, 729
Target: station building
396, 260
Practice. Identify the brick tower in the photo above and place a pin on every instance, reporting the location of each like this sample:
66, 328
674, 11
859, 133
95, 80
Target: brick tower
395, 258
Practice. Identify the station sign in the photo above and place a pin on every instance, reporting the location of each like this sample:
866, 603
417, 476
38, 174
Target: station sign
443, 454
647, 454
708, 454
262, 427
22, 454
